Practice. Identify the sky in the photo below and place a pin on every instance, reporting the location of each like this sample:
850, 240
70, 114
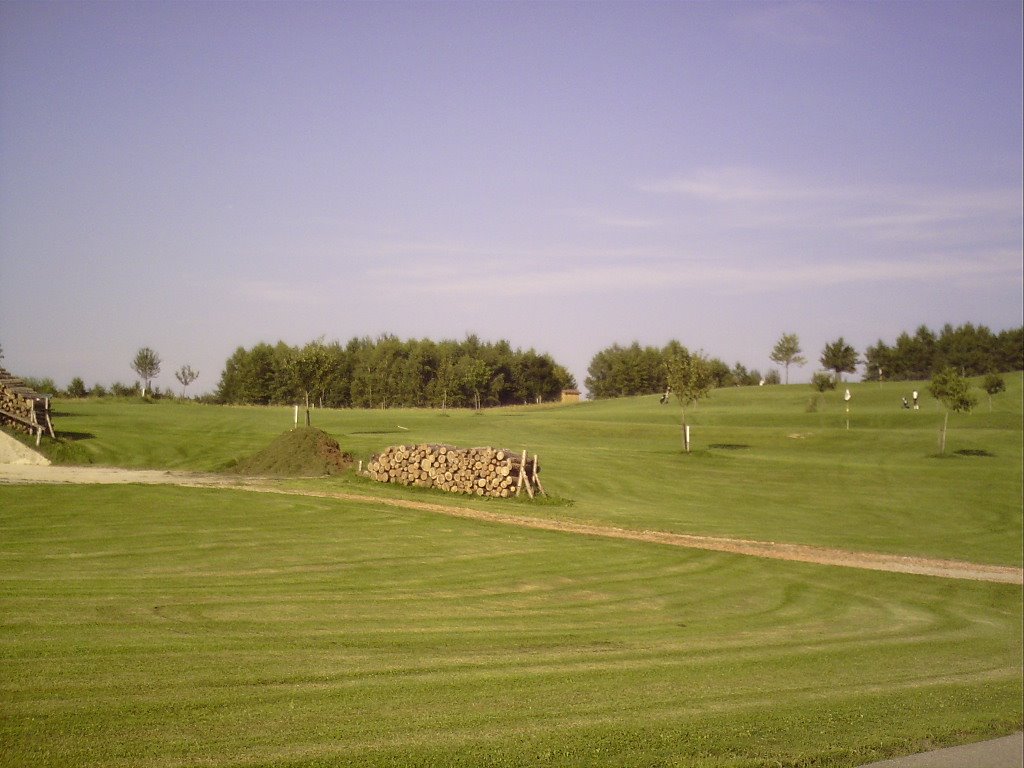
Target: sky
198, 176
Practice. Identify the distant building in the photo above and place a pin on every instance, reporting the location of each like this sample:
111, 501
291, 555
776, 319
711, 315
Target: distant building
570, 395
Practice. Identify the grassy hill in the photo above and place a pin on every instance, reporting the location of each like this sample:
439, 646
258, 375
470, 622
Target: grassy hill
763, 466
165, 626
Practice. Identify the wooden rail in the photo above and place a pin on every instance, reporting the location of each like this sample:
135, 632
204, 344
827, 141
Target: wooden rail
23, 408
31, 425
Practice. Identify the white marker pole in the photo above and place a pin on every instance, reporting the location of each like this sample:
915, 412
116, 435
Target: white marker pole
296, 417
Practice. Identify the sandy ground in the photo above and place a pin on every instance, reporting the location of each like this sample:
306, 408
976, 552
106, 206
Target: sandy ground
14, 452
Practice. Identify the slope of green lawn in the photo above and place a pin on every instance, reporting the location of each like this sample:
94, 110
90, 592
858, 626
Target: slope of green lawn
160, 626
763, 467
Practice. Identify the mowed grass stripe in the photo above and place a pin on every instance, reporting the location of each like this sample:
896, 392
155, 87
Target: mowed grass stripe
785, 475
767, 549
163, 626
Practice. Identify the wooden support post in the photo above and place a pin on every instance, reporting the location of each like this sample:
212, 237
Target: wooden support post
536, 479
522, 476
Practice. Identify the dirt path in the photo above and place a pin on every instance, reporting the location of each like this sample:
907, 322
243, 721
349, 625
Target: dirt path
950, 569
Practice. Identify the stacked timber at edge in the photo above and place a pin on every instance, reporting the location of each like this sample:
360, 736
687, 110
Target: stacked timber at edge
479, 471
23, 409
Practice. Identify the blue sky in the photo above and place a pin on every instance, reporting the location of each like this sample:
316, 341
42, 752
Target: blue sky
564, 175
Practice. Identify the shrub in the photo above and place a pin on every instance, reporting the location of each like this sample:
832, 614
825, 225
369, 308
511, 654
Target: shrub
822, 382
117, 389
77, 388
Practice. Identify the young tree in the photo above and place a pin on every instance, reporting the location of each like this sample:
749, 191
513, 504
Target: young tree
147, 365
185, 376
953, 391
475, 375
787, 352
993, 384
839, 357
445, 377
690, 376
309, 369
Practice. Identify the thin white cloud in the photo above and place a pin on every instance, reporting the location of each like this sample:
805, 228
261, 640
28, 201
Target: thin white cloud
606, 220
733, 231
736, 185
753, 199
627, 222
714, 276
278, 292
732, 184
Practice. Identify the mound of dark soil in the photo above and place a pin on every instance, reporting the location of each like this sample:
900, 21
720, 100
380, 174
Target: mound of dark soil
302, 452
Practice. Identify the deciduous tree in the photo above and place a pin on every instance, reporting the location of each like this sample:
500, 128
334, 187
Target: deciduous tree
839, 357
309, 369
787, 352
993, 384
147, 365
77, 388
690, 376
953, 391
185, 376
475, 375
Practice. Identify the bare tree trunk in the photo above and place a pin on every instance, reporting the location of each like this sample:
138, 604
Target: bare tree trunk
942, 435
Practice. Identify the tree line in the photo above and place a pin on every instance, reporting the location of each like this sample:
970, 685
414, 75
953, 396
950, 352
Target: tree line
388, 372
623, 371
972, 350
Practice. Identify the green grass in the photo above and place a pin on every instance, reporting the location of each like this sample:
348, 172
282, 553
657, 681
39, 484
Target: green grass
160, 626
781, 473
151, 626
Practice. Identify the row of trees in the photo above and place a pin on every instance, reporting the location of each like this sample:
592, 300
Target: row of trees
837, 356
971, 350
146, 364
388, 372
619, 371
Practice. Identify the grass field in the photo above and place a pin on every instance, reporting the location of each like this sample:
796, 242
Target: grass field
161, 626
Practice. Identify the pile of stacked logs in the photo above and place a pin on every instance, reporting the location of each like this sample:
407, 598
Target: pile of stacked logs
23, 409
480, 471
